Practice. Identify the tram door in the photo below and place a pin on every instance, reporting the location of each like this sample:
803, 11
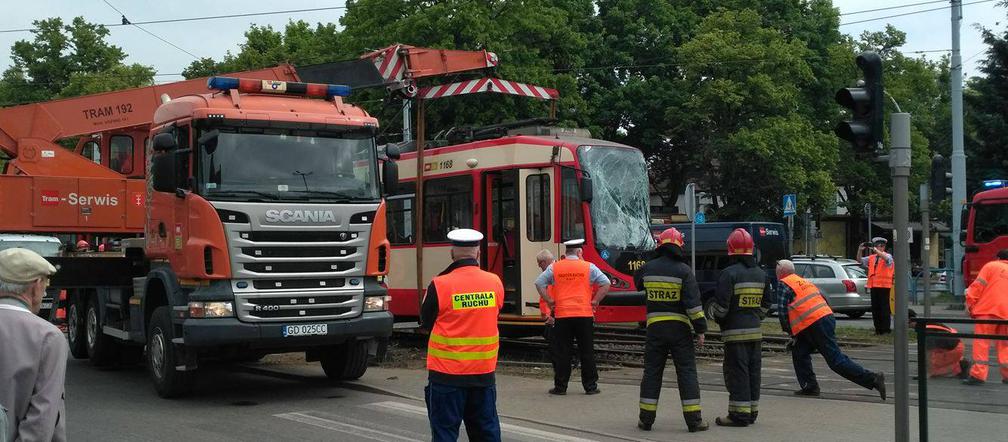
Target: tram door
535, 230
500, 219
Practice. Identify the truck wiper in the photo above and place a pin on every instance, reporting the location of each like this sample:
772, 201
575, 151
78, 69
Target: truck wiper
338, 195
238, 193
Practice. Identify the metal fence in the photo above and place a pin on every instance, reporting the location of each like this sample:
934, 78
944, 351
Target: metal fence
920, 326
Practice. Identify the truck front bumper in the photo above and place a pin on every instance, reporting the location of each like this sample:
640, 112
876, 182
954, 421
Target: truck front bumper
230, 331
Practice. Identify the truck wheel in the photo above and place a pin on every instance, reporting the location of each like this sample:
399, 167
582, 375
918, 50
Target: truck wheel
75, 331
101, 348
162, 357
346, 362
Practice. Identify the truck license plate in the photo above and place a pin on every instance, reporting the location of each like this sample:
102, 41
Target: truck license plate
306, 330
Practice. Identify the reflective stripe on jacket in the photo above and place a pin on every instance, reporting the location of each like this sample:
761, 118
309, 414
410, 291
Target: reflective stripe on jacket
672, 293
742, 296
987, 296
464, 339
880, 275
572, 289
808, 305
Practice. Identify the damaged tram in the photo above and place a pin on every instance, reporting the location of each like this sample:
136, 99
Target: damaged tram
527, 188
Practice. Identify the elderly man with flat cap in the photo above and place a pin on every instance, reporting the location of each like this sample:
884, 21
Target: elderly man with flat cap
33, 352
881, 272
578, 287
460, 311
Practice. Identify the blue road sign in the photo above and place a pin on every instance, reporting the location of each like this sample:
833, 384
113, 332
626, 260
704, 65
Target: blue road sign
790, 205
699, 218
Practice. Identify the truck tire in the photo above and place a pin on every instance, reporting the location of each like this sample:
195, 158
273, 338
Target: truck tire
162, 357
102, 349
75, 330
346, 362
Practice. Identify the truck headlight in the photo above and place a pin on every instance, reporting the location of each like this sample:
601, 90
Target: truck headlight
210, 309
376, 303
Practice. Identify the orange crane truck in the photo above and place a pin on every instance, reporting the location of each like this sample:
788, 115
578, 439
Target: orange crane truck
255, 223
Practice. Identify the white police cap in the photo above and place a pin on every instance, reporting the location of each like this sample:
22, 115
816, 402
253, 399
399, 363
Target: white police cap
574, 243
465, 237
879, 240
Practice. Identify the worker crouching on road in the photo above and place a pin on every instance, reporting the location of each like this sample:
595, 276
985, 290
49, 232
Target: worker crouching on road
881, 272
987, 298
805, 315
572, 302
674, 318
945, 353
33, 352
460, 311
740, 303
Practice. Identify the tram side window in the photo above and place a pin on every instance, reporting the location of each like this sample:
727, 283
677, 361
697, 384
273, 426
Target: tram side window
447, 206
537, 222
400, 214
121, 154
92, 151
572, 218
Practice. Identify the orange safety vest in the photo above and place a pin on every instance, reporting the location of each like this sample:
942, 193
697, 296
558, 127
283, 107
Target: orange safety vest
572, 289
464, 339
987, 296
879, 274
543, 307
808, 305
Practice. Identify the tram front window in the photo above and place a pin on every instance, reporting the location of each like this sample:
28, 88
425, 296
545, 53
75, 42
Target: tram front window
620, 205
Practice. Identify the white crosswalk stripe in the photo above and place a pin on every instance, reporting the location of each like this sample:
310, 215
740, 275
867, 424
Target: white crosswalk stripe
343, 427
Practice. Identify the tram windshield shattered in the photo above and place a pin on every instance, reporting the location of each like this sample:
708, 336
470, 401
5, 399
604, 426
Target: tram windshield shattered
620, 205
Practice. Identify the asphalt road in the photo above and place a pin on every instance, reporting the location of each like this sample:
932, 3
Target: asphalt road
246, 403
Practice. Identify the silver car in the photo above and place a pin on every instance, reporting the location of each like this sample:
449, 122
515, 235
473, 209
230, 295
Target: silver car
841, 281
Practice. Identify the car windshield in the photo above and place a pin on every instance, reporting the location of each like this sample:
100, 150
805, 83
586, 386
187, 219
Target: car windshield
990, 222
855, 271
44, 248
281, 164
620, 203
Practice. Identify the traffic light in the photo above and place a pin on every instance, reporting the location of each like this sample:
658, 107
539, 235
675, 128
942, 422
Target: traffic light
864, 129
940, 179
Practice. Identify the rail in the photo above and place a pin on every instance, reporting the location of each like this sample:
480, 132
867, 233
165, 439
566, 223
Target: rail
920, 326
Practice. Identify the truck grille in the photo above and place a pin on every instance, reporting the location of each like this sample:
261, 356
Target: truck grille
299, 236
299, 267
287, 284
298, 252
323, 306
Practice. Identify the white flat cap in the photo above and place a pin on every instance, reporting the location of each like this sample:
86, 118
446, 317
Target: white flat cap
574, 243
465, 237
22, 266
879, 240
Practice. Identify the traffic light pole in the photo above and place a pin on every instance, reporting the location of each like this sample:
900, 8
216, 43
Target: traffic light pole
899, 161
925, 207
958, 152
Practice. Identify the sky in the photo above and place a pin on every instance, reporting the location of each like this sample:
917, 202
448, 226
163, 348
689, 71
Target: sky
928, 31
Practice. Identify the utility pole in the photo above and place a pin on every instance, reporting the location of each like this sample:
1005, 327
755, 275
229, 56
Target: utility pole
925, 207
899, 161
691, 209
958, 152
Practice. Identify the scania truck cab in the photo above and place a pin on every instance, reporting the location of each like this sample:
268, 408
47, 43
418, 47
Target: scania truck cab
265, 233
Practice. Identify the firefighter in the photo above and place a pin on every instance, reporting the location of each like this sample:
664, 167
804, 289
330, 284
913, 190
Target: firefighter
805, 315
675, 318
578, 288
987, 298
740, 303
881, 271
945, 353
460, 311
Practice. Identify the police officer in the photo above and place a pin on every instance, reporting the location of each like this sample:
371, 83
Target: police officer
881, 271
674, 318
460, 311
572, 302
740, 303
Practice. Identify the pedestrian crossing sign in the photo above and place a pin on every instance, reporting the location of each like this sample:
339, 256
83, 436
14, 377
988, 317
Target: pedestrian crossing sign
790, 205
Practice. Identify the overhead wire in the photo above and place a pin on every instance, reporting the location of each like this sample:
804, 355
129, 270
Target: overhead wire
888, 8
921, 11
127, 22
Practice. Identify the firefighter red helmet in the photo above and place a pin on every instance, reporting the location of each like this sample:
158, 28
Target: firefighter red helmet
740, 242
671, 236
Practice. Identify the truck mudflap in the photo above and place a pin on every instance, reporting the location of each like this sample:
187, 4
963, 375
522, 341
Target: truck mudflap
231, 331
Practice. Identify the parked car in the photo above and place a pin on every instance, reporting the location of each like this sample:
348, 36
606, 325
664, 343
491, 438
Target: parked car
47, 246
841, 281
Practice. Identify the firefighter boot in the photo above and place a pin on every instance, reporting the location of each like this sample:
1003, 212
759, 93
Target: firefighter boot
647, 419
727, 421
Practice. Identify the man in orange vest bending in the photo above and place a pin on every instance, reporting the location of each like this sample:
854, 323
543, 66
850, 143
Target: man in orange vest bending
987, 298
572, 301
804, 315
460, 311
880, 281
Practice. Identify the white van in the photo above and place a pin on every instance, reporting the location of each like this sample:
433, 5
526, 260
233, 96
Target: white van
47, 246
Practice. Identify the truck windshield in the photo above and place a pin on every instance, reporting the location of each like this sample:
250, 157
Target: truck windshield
990, 221
289, 165
47, 249
620, 203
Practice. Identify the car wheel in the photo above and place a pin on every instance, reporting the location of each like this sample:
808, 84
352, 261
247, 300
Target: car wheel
855, 315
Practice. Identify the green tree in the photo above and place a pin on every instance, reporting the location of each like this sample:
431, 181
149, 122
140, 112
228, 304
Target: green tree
67, 59
299, 44
986, 118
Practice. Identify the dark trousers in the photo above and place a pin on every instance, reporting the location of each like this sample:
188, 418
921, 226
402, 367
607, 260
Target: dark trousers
880, 309
742, 365
665, 338
565, 332
821, 337
449, 406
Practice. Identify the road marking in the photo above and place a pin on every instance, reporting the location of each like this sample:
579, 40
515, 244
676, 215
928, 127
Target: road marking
509, 428
351, 429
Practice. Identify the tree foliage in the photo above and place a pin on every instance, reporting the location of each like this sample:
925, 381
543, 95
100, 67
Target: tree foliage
986, 120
